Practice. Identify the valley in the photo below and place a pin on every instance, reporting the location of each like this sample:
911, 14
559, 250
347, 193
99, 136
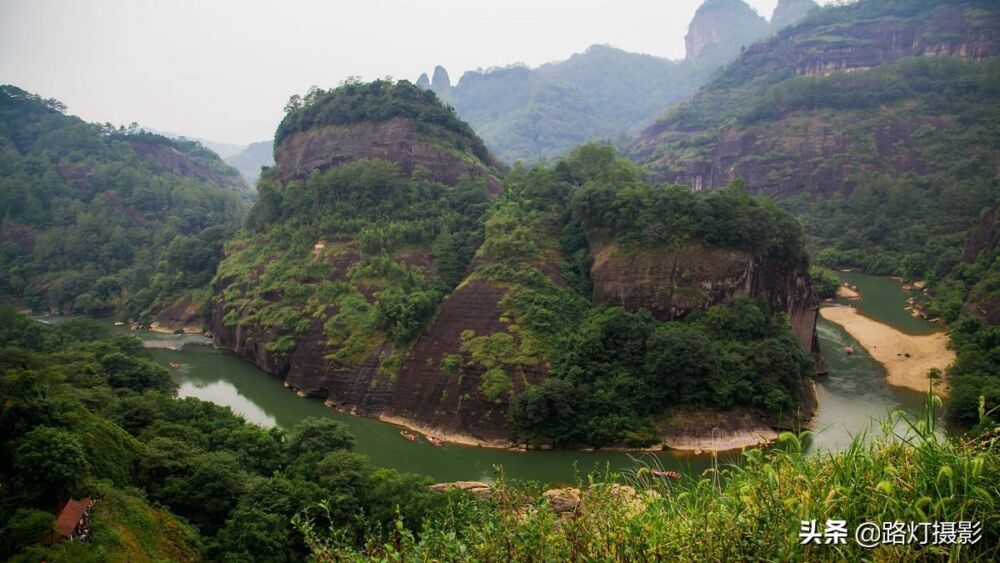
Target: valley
618, 307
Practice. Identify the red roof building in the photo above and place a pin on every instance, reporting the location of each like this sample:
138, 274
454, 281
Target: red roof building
73, 520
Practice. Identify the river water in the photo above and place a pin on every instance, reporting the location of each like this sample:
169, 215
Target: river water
851, 397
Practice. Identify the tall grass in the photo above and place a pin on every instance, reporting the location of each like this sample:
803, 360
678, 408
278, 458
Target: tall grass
750, 510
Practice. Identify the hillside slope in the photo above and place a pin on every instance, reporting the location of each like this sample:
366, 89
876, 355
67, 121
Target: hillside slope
877, 124
375, 272
97, 220
603, 93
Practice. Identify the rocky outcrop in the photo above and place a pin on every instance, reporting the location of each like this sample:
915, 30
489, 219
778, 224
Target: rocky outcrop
791, 150
184, 316
423, 81
720, 28
166, 157
440, 82
671, 284
250, 160
984, 243
790, 12
396, 140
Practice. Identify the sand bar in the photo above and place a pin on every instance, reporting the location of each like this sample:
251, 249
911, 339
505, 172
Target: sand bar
890, 347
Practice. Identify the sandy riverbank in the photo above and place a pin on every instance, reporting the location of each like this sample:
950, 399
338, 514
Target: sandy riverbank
907, 358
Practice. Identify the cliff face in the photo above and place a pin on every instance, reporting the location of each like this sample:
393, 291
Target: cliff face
790, 12
671, 284
984, 244
720, 28
395, 140
719, 136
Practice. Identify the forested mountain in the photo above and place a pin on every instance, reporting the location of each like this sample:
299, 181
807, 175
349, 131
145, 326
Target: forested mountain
85, 414
99, 220
387, 282
603, 93
876, 122
250, 160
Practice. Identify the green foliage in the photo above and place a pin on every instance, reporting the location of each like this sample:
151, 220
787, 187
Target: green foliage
316, 436
380, 100
602, 93
68, 427
824, 283
363, 250
749, 510
95, 222
614, 373
495, 385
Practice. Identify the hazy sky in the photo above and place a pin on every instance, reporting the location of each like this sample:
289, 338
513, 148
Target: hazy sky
223, 69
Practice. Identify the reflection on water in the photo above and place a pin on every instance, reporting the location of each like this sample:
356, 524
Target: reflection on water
221, 378
884, 300
854, 394
851, 397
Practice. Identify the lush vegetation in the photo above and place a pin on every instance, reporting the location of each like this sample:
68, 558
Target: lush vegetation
95, 220
913, 174
319, 247
85, 413
751, 510
602, 93
613, 373
380, 100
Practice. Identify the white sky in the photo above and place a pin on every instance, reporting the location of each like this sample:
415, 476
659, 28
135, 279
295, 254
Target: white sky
223, 69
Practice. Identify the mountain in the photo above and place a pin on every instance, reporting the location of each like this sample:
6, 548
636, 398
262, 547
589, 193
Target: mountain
97, 220
875, 123
390, 267
223, 150
603, 93
250, 160
720, 28
790, 12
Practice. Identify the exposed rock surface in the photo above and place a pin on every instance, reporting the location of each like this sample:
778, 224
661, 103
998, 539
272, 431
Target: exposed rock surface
790, 12
477, 488
395, 139
251, 159
440, 82
671, 284
424, 81
814, 151
720, 28
984, 242
174, 161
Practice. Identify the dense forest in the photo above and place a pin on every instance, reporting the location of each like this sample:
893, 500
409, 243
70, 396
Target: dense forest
890, 163
472, 296
87, 413
102, 220
614, 373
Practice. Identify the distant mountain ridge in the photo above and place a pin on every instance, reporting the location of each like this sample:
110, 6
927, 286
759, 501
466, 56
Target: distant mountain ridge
604, 92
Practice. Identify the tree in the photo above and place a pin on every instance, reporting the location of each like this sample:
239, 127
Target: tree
317, 436
51, 459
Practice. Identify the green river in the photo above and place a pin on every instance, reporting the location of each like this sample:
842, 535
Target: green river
851, 396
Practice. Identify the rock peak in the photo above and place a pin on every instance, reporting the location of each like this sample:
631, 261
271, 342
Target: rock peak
424, 81
440, 83
720, 28
790, 12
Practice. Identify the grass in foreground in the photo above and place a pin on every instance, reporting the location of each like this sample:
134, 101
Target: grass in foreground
748, 511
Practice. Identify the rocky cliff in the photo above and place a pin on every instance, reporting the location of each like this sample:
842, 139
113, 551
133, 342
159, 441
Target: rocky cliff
672, 283
983, 246
790, 12
720, 28
395, 139
759, 121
